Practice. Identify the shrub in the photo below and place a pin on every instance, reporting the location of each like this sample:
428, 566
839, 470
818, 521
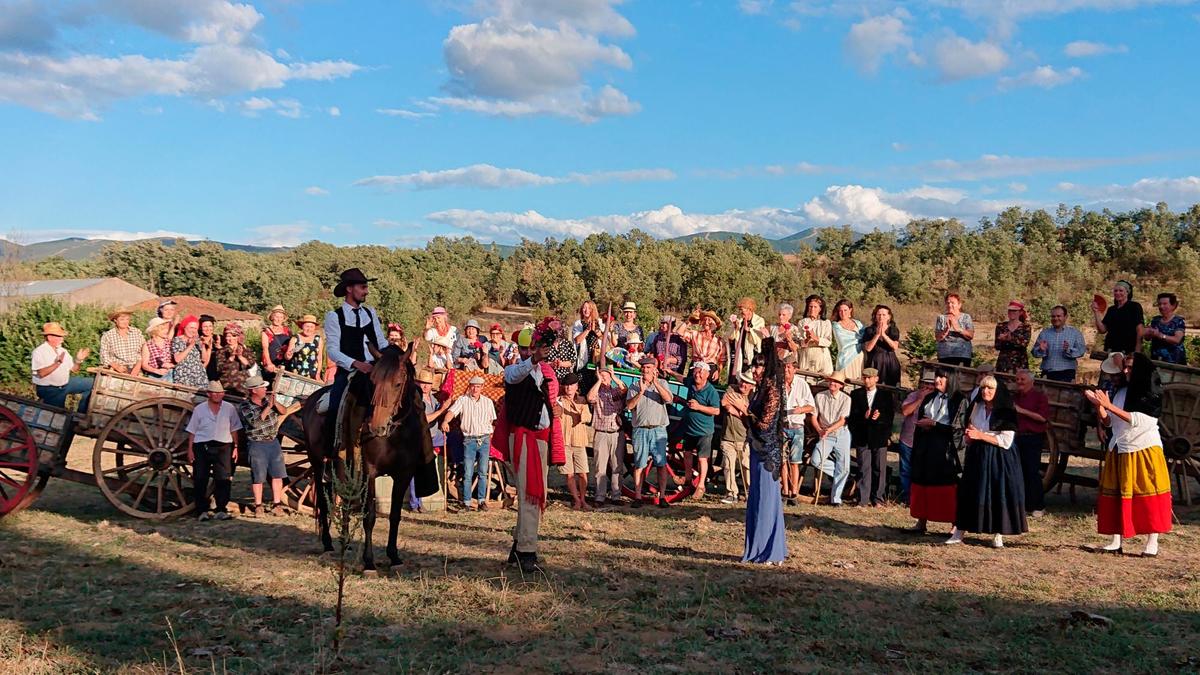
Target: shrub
918, 345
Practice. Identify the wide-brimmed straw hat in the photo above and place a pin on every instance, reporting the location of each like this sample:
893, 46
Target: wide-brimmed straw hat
308, 318
54, 328
215, 387
277, 309
255, 382
837, 376
1114, 364
425, 376
629, 307
114, 315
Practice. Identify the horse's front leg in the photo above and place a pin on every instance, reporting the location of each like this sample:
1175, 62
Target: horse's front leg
321, 486
398, 487
368, 558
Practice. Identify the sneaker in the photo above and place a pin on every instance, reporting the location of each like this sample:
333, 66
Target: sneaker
223, 515
483, 506
258, 510
204, 516
998, 541
729, 500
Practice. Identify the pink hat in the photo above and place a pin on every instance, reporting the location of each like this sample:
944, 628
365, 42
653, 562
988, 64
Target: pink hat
438, 310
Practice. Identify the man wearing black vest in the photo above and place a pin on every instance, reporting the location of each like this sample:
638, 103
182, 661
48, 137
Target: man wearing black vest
352, 331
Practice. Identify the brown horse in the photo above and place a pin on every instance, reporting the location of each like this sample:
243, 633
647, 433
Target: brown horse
389, 437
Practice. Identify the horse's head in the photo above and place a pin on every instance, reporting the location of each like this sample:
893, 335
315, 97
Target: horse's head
391, 378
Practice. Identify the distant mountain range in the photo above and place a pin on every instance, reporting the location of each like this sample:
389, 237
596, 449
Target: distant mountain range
78, 248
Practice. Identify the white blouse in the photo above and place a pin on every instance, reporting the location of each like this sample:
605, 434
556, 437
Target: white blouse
822, 330
1139, 433
982, 419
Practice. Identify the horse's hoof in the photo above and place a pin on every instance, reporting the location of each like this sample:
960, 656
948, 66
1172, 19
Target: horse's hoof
370, 574
396, 563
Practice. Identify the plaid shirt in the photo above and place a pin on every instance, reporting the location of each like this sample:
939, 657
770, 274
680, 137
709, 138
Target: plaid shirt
609, 407
126, 350
257, 428
1054, 357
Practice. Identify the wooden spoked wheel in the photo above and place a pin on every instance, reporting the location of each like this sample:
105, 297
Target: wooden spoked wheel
140, 459
20, 483
1056, 464
1179, 425
298, 488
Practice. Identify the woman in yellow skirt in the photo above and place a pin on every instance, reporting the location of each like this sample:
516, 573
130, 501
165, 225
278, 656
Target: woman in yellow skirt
1135, 487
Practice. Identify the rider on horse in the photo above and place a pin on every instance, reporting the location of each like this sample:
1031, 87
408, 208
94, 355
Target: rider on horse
353, 337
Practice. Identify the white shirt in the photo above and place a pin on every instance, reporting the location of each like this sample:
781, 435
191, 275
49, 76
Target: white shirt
831, 409
527, 368
871, 397
1139, 433
577, 328
333, 334
939, 409
206, 425
431, 333
44, 355
477, 417
982, 419
799, 394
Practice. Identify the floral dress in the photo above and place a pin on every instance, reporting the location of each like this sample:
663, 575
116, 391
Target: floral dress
1012, 347
306, 357
1161, 350
190, 371
233, 374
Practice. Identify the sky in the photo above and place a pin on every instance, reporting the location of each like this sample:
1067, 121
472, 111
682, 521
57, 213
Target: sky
275, 122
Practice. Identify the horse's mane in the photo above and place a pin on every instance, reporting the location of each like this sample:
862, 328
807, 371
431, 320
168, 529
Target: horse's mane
390, 378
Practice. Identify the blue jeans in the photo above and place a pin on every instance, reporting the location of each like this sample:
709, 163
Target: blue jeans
475, 453
649, 443
832, 456
57, 396
795, 441
905, 471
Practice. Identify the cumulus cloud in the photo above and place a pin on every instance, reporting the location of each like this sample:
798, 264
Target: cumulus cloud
866, 207
873, 39
958, 58
1083, 48
1180, 193
665, 222
1044, 77
75, 85
530, 57
289, 234
491, 177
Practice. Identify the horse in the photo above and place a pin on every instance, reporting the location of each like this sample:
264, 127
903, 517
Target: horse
388, 438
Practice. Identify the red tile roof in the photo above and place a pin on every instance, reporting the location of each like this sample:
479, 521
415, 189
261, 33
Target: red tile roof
197, 306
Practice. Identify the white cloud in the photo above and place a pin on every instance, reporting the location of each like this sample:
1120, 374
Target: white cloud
1004, 15
290, 234
289, 107
286, 107
1000, 166
957, 58
1018, 187
1084, 48
335, 111
844, 204
78, 85
530, 57
1180, 193
1045, 77
316, 191
491, 177
753, 7
401, 112
668, 221
874, 38
51, 234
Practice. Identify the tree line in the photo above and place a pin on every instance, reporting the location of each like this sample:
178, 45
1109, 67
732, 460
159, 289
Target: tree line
1039, 257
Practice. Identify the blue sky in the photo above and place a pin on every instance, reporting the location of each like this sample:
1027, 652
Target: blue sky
279, 121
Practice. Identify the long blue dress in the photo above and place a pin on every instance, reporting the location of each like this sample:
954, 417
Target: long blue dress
765, 533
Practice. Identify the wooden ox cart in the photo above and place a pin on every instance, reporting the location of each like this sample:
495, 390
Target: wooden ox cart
139, 460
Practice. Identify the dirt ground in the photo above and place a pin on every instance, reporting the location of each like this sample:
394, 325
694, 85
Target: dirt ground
84, 589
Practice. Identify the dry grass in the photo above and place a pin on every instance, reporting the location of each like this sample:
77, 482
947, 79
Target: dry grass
624, 591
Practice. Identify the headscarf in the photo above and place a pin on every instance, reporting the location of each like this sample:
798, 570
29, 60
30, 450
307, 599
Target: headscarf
233, 328
1128, 288
185, 322
1144, 389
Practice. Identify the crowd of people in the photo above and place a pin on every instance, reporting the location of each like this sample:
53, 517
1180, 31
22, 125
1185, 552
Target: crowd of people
590, 382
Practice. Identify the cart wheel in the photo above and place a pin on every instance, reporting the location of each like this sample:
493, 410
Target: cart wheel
1180, 427
20, 483
1056, 465
140, 459
298, 489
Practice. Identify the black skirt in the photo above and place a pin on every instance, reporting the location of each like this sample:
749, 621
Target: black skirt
934, 457
991, 495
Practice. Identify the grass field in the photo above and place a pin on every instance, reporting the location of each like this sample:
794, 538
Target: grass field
83, 589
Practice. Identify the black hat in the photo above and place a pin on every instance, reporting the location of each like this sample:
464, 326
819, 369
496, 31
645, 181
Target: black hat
569, 378
350, 277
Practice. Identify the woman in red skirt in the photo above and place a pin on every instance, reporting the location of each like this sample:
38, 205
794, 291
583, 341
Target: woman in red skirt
1135, 486
935, 467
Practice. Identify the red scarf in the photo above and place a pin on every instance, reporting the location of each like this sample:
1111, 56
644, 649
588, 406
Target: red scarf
535, 484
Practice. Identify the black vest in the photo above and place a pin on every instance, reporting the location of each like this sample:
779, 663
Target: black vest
351, 343
524, 402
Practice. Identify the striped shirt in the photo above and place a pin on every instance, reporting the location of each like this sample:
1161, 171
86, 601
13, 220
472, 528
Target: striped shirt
477, 415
